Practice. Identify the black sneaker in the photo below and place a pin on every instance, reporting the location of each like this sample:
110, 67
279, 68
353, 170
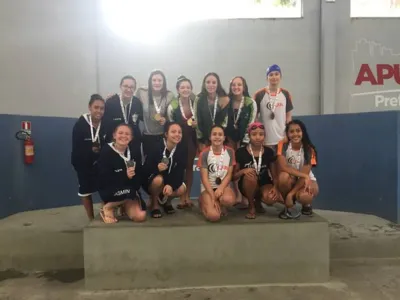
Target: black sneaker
307, 210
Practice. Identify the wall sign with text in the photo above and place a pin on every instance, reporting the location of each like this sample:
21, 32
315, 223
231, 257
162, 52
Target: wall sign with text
376, 75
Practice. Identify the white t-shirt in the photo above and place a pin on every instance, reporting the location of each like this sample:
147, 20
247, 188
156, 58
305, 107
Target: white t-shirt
295, 158
211, 161
279, 104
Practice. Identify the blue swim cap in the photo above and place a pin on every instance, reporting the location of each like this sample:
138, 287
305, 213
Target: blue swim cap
273, 68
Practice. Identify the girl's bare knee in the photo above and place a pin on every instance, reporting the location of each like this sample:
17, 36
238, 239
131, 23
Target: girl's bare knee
158, 180
213, 216
305, 199
140, 216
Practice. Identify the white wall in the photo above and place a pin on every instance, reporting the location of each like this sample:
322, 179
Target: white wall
55, 53
51, 47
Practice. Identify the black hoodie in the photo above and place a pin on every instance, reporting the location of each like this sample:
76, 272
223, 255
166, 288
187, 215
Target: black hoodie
112, 172
113, 117
179, 161
82, 156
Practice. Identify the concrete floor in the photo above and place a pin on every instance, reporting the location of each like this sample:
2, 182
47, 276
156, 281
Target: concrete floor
368, 279
355, 280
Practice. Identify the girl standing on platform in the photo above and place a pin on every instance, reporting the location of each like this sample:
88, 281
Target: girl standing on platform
274, 107
216, 164
254, 163
242, 111
155, 100
211, 108
119, 176
87, 140
295, 159
124, 108
164, 170
181, 111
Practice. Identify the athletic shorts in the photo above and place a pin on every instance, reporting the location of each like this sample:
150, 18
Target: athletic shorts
149, 179
87, 180
263, 180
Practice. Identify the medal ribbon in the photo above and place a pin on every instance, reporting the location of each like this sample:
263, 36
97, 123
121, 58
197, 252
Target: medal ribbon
171, 155
235, 120
257, 166
95, 137
124, 112
182, 110
215, 110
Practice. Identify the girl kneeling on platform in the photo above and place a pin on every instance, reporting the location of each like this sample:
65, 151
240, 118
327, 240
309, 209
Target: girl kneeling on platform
216, 164
254, 164
164, 170
295, 159
119, 181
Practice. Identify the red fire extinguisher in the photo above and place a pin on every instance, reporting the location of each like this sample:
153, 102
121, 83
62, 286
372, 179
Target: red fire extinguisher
29, 150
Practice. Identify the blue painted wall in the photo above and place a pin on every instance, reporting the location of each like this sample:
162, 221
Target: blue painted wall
357, 172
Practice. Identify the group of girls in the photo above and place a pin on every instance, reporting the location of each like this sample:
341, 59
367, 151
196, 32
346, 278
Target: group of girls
248, 147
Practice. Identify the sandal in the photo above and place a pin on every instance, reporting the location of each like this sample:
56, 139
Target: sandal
156, 213
250, 216
224, 212
184, 205
107, 219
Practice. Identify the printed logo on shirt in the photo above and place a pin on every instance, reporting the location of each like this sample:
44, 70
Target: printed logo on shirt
272, 106
118, 170
117, 119
212, 168
88, 139
122, 192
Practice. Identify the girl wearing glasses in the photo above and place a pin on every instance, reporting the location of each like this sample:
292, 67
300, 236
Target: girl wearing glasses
253, 168
211, 108
155, 100
164, 170
216, 164
124, 108
274, 107
296, 157
181, 110
119, 177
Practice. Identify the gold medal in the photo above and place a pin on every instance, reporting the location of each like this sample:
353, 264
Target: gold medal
190, 122
157, 117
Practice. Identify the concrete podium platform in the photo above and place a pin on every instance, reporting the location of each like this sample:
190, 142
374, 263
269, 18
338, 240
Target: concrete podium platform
184, 250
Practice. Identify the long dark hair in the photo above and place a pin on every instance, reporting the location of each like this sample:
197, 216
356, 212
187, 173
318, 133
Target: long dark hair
220, 90
306, 141
164, 90
245, 87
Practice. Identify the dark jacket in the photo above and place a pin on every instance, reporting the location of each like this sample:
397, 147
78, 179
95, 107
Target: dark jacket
113, 117
112, 172
179, 161
82, 156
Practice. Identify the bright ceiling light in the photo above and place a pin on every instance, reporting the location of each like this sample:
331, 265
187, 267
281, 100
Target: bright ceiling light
144, 21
